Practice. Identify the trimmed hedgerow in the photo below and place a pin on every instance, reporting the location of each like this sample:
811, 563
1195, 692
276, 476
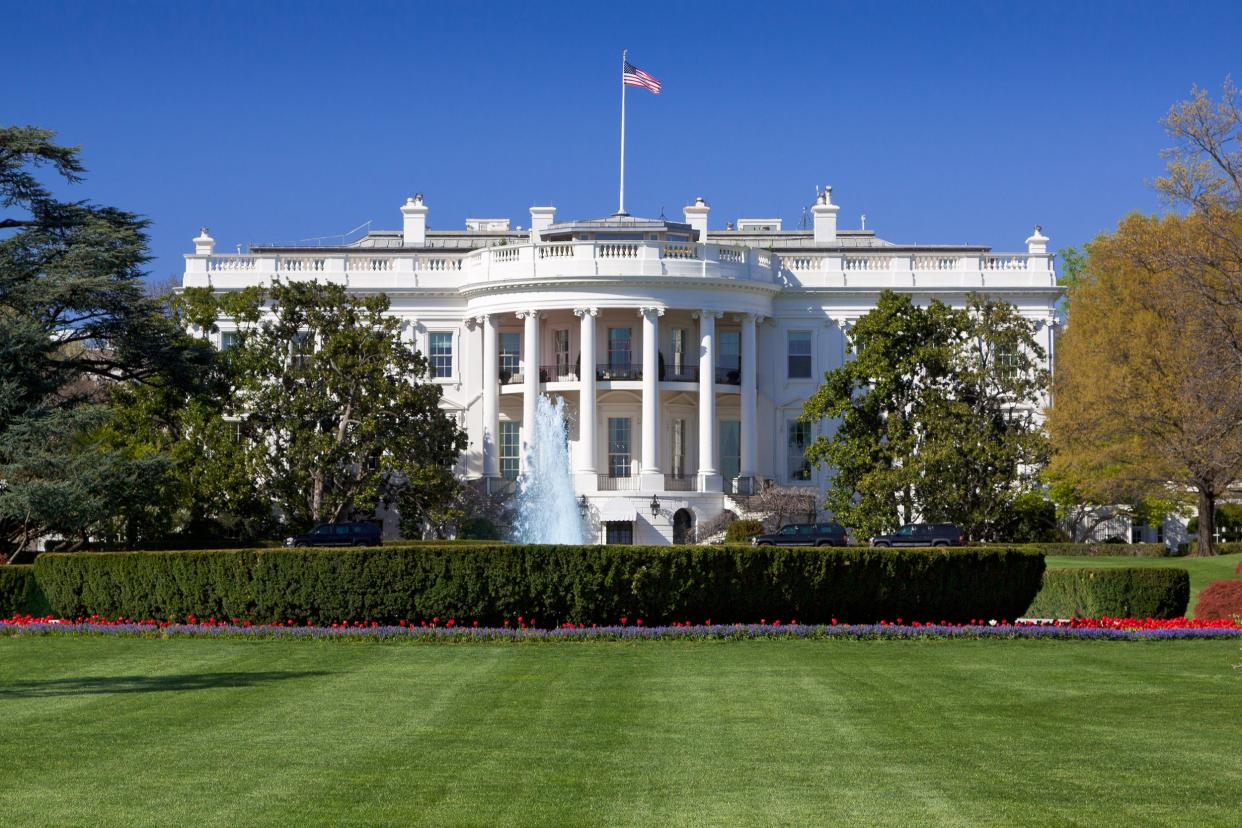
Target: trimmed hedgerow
1220, 599
1138, 592
1132, 550
552, 584
741, 531
19, 591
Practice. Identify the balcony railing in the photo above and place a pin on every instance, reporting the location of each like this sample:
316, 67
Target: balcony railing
618, 371
679, 483
686, 373
558, 373
608, 483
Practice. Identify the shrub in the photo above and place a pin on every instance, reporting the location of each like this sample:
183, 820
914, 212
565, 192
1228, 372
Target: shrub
553, 584
1134, 550
1220, 599
19, 591
741, 531
1031, 518
1138, 592
479, 528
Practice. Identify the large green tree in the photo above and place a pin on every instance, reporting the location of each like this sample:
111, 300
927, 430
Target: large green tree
934, 417
332, 402
75, 319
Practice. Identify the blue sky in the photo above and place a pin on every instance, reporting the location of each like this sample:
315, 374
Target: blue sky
944, 123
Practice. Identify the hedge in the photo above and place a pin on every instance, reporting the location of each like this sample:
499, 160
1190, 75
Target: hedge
1132, 550
19, 591
1136, 592
552, 584
741, 531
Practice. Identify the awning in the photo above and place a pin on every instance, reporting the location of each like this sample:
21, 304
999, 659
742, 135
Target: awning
617, 509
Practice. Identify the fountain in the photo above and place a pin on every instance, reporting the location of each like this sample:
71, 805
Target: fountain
547, 511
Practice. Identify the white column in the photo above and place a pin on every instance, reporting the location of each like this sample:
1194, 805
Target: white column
651, 477
709, 473
491, 409
749, 421
530, 379
588, 451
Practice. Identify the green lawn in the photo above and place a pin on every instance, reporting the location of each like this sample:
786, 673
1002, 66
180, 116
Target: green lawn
124, 732
1202, 570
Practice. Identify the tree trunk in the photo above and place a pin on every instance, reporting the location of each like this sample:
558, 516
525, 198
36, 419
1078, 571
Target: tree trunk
1204, 546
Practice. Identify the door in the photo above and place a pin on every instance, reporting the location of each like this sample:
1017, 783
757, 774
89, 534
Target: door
683, 526
905, 537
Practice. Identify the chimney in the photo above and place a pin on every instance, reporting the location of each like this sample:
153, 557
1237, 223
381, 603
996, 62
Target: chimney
415, 230
540, 218
696, 217
204, 245
825, 213
1037, 250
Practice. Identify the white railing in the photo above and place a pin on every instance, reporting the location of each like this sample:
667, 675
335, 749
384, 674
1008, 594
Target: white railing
616, 250
608, 483
732, 255
925, 263
231, 263
804, 262
438, 263
301, 265
868, 263
679, 251
506, 254
555, 251
369, 264
1010, 261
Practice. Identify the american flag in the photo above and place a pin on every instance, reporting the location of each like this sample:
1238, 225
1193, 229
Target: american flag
633, 76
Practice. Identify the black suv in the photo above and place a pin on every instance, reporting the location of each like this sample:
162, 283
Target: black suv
922, 534
357, 533
805, 534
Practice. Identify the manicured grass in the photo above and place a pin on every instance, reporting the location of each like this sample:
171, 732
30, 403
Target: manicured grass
1202, 570
126, 732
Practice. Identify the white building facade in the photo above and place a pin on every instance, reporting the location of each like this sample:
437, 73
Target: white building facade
684, 353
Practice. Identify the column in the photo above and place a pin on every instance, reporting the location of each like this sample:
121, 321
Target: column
651, 477
530, 379
588, 451
709, 474
746, 473
491, 409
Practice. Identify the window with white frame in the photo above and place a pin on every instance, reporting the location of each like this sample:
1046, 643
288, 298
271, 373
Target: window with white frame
510, 449
301, 347
1008, 362
619, 445
229, 339
798, 441
729, 357
798, 354
440, 344
510, 345
619, 532
619, 348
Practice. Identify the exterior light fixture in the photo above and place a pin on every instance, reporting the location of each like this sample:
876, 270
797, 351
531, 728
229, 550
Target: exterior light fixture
655, 506
582, 505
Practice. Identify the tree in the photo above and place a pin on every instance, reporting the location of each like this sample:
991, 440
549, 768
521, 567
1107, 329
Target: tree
74, 320
1148, 390
334, 408
936, 416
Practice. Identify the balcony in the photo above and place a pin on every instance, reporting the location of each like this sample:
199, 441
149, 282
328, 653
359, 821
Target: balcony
618, 371
608, 483
679, 483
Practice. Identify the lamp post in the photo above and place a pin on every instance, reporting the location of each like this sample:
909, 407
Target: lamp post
655, 506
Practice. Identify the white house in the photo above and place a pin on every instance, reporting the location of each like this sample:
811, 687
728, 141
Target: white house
684, 353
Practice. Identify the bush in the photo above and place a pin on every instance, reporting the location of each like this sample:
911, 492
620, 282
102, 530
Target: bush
1133, 550
741, 531
479, 528
1154, 592
1220, 599
1031, 518
553, 584
19, 591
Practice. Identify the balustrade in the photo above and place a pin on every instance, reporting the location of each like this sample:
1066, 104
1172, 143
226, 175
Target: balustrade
608, 483
301, 265
231, 263
935, 263
370, 264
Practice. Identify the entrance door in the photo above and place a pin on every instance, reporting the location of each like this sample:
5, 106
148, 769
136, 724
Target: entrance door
683, 526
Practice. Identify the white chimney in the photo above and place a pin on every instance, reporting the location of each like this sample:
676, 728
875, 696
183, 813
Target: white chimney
540, 218
204, 245
696, 217
1037, 250
825, 213
415, 230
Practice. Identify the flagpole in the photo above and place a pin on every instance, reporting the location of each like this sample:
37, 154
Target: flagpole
621, 201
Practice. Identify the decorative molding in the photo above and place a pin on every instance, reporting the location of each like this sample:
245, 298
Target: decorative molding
581, 312
647, 310
522, 314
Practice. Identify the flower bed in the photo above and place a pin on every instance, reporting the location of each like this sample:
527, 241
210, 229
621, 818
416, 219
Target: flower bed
524, 629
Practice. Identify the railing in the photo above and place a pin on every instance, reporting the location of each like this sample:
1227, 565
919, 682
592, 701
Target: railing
506, 254
1013, 261
728, 376
732, 255
370, 264
678, 483
856, 263
556, 251
301, 265
804, 262
439, 263
616, 250
230, 263
558, 373
935, 263
679, 251
513, 377
608, 483
687, 373
613, 371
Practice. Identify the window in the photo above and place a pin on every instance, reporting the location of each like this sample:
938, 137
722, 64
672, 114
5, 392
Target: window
229, 339
799, 354
441, 347
619, 352
1008, 361
300, 348
510, 449
799, 439
679, 352
510, 355
729, 357
619, 531
730, 448
618, 446
679, 448
1136, 530
560, 347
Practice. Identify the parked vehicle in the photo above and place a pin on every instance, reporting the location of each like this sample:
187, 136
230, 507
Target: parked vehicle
354, 533
922, 534
805, 534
